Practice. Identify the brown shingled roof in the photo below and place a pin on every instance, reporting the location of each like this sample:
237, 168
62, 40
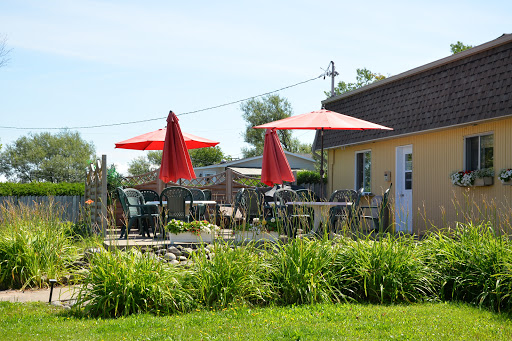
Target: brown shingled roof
470, 86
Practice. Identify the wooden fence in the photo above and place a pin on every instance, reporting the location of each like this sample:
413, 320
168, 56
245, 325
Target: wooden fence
96, 190
68, 206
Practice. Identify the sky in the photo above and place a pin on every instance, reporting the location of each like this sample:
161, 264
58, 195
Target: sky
86, 63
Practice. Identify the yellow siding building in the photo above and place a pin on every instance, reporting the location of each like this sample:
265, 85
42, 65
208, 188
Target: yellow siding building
451, 115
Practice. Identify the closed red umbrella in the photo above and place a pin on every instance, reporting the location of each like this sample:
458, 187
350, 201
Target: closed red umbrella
155, 141
322, 120
275, 167
176, 162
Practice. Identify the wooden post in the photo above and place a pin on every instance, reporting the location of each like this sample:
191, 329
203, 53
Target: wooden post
103, 194
229, 185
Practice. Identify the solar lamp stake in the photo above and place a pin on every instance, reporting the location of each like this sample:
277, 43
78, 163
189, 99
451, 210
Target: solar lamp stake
52, 283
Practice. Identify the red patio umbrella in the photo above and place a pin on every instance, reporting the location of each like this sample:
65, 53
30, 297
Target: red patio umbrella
322, 120
155, 141
176, 162
275, 167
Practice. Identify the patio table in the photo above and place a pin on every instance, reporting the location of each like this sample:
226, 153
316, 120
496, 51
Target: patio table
317, 210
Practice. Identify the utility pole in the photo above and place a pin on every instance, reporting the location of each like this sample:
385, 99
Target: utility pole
333, 74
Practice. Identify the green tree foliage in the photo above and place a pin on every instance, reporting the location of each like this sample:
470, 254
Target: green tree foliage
40, 189
46, 157
140, 165
206, 156
199, 157
459, 47
364, 77
267, 109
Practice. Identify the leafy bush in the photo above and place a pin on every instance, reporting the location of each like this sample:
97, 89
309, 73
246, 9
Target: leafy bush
390, 270
472, 264
34, 246
232, 276
41, 189
303, 273
309, 177
121, 283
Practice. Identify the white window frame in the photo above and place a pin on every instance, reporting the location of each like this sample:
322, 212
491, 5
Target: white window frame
479, 147
356, 170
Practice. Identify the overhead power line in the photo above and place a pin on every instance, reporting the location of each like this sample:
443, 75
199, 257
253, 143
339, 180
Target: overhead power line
160, 118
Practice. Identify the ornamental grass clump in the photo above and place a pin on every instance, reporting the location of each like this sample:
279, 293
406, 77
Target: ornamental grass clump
303, 272
472, 264
389, 270
230, 276
121, 283
35, 245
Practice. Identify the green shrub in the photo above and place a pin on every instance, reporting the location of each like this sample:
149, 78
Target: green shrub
309, 177
34, 246
303, 272
121, 283
41, 189
232, 276
390, 270
472, 264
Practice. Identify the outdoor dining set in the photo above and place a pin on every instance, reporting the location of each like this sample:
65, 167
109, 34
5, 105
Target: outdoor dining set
296, 211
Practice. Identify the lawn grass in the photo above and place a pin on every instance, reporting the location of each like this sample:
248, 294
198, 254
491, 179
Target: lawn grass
422, 321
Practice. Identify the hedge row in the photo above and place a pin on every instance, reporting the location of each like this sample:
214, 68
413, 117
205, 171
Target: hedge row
309, 177
41, 189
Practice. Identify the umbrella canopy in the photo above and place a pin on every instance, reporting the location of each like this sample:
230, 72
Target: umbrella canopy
322, 120
176, 162
155, 141
275, 167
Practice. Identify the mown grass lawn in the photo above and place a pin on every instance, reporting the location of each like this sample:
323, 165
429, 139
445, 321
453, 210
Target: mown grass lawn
427, 321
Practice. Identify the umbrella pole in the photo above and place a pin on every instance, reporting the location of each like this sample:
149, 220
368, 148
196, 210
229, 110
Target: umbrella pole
322, 163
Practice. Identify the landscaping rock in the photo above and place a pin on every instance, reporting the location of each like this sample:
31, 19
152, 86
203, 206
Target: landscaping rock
174, 262
175, 250
170, 256
187, 251
182, 258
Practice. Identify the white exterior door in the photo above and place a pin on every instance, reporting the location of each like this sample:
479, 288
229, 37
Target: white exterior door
403, 189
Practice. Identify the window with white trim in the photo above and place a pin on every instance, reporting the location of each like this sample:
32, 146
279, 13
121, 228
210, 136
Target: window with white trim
363, 170
479, 152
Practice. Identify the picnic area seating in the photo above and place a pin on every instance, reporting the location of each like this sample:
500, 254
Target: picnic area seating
176, 207
377, 213
135, 210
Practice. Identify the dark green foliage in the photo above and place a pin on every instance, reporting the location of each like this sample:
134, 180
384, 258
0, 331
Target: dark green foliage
391, 270
122, 283
309, 177
41, 189
472, 264
60, 157
34, 246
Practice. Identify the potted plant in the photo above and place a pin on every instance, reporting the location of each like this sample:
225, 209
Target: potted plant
463, 178
506, 176
258, 230
193, 232
484, 177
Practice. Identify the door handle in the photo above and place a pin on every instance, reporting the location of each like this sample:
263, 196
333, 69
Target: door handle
402, 195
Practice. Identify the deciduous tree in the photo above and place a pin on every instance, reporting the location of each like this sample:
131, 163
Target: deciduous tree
47, 157
267, 109
364, 77
459, 47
